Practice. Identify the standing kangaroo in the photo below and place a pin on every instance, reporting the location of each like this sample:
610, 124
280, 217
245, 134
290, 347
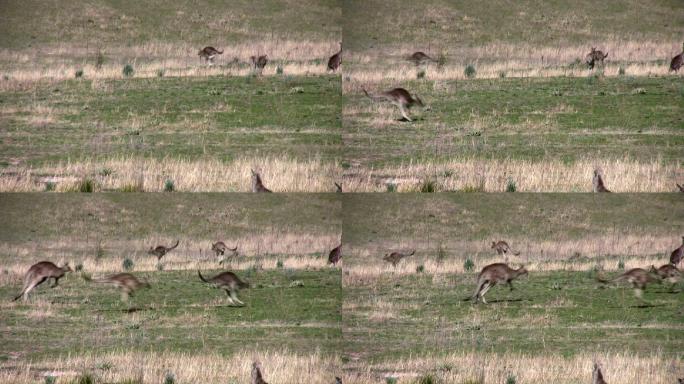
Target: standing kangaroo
502, 247
229, 282
161, 250
126, 282
395, 257
399, 97
335, 60
639, 278
598, 184
335, 255
39, 273
493, 274
259, 63
257, 184
208, 54
677, 255
419, 58
677, 61
594, 56
597, 376
257, 377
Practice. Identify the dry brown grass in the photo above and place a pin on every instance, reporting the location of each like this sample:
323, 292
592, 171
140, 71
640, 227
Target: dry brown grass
621, 175
280, 174
278, 367
496, 368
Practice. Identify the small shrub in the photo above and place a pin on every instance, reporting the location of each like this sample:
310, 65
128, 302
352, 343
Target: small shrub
132, 188
621, 71
50, 186
106, 172
502, 74
441, 60
169, 186
420, 268
170, 378
390, 380
621, 265
78, 74
99, 60
86, 186
470, 71
105, 366
50, 380
428, 186
468, 265
294, 90
391, 187
556, 286
78, 267
279, 264
279, 70
128, 70
557, 92
446, 367
420, 74
84, 378
510, 185
510, 380
448, 173
160, 267
427, 379
160, 72
128, 264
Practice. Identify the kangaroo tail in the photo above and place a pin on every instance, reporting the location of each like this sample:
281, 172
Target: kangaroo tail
412, 253
201, 277
177, 241
233, 249
219, 52
20, 295
515, 253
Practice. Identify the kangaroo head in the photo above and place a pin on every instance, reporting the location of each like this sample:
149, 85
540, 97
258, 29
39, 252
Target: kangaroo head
66, 267
493, 244
521, 271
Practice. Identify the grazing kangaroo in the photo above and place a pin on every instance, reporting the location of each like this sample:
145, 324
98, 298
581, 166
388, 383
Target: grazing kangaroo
597, 376
399, 97
161, 250
335, 255
493, 274
229, 282
40, 272
502, 247
335, 60
677, 61
419, 58
339, 188
220, 248
594, 56
257, 377
257, 184
208, 54
639, 278
126, 282
395, 257
677, 255
599, 185
259, 63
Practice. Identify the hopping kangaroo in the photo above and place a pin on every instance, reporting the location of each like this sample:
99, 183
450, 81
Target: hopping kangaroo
161, 250
597, 376
126, 282
639, 278
399, 97
220, 248
597, 181
39, 273
677, 255
677, 61
594, 56
493, 274
335, 255
208, 54
419, 58
257, 377
502, 247
257, 184
335, 60
229, 282
259, 63
395, 257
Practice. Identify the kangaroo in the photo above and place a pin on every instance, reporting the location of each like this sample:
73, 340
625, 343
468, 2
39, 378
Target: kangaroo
395, 257
259, 63
399, 97
599, 185
339, 188
229, 282
677, 255
257, 377
594, 56
502, 247
220, 248
126, 282
208, 54
680, 187
335, 255
419, 58
40, 272
677, 61
493, 274
257, 184
335, 60
597, 376
161, 250
639, 278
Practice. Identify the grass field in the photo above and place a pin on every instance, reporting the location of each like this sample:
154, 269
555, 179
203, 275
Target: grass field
411, 321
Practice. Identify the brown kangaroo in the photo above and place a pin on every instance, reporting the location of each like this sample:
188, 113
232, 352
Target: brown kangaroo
677, 255
126, 282
208, 54
594, 56
639, 278
399, 97
259, 63
40, 272
502, 247
419, 58
597, 376
335, 255
229, 282
161, 250
677, 61
257, 377
257, 184
220, 248
395, 257
599, 185
335, 60
493, 274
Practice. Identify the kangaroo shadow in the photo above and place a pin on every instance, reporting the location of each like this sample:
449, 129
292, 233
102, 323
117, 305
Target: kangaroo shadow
647, 305
504, 301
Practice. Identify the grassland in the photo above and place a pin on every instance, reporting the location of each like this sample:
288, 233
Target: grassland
411, 321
